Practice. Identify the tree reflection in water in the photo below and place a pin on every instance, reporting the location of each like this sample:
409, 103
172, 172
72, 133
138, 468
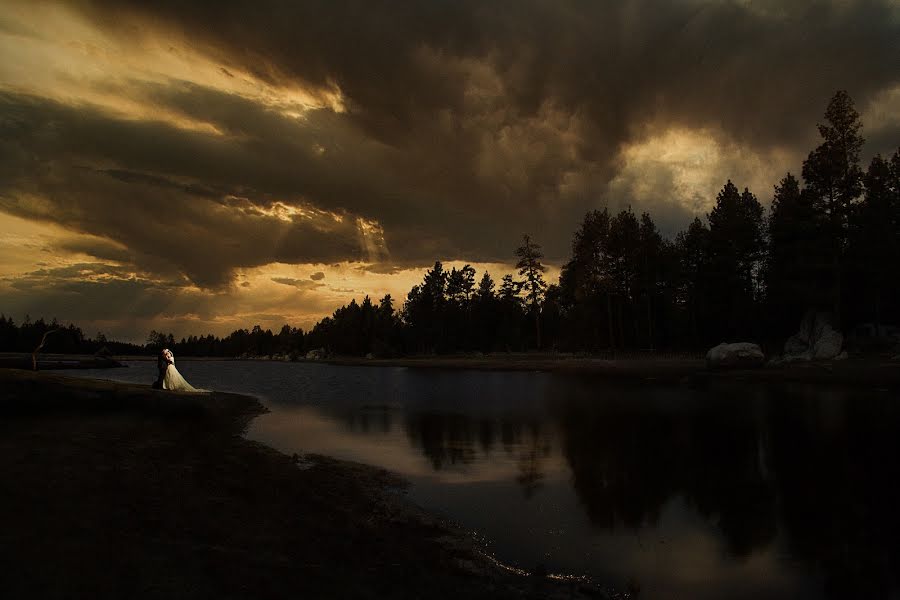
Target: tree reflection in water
810, 470
632, 452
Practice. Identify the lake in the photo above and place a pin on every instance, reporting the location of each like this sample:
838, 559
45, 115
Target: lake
731, 490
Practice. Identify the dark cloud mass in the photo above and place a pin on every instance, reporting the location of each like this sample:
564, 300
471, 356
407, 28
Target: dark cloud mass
464, 123
170, 226
300, 284
755, 67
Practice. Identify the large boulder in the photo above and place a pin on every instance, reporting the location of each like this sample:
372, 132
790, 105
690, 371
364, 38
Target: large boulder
316, 354
734, 355
796, 346
816, 340
803, 356
808, 326
827, 344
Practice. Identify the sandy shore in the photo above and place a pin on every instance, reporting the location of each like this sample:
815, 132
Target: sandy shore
119, 491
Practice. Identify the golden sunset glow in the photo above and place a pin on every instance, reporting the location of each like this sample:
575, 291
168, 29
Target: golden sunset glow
687, 164
195, 171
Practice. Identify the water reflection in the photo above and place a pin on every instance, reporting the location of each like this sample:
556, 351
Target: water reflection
806, 473
728, 491
835, 466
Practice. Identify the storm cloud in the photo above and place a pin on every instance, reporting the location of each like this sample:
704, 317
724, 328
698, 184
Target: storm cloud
229, 135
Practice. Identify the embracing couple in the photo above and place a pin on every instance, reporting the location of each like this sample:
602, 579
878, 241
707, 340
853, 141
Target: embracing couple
169, 378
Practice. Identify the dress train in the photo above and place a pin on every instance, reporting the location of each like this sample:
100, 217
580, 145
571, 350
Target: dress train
173, 380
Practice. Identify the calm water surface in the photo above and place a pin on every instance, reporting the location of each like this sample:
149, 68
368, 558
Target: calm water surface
730, 491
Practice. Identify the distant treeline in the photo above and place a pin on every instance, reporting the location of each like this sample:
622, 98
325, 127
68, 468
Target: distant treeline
64, 339
70, 339
831, 244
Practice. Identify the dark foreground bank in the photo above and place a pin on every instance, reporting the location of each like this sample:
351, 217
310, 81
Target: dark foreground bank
119, 491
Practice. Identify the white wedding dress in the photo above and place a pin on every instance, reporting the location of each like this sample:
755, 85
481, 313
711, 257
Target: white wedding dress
171, 379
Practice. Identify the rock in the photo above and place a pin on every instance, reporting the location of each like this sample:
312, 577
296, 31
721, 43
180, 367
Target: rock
807, 326
317, 354
827, 344
801, 357
730, 355
795, 345
816, 340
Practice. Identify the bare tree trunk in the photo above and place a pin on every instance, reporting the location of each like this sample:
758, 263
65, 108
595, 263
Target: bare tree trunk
621, 326
609, 319
635, 320
837, 291
693, 323
38, 349
877, 314
836, 260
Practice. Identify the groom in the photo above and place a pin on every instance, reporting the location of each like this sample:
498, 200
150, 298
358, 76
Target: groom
162, 363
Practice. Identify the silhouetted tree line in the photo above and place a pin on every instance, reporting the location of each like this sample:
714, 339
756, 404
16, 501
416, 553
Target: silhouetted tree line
65, 339
289, 341
70, 339
829, 243
741, 274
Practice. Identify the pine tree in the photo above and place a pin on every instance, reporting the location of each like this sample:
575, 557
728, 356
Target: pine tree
834, 178
485, 286
736, 246
692, 252
484, 313
584, 283
650, 247
530, 267
876, 238
622, 268
793, 262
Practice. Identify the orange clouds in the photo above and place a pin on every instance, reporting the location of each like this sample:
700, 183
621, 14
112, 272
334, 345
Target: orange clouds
213, 151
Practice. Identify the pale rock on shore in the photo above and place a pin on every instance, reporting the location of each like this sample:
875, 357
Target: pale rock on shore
739, 354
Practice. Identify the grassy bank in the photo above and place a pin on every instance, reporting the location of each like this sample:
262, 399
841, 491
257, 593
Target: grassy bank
119, 491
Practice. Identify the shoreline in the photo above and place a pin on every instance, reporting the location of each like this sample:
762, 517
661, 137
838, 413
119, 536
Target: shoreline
873, 370
45, 362
125, 491
856, 371
867, 371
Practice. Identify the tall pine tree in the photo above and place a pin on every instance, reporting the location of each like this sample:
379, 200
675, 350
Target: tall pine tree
834, 178
531, 268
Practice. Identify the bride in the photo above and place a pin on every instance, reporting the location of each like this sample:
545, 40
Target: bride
169, 377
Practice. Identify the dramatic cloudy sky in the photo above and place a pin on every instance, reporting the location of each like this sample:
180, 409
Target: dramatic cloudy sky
199, 166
